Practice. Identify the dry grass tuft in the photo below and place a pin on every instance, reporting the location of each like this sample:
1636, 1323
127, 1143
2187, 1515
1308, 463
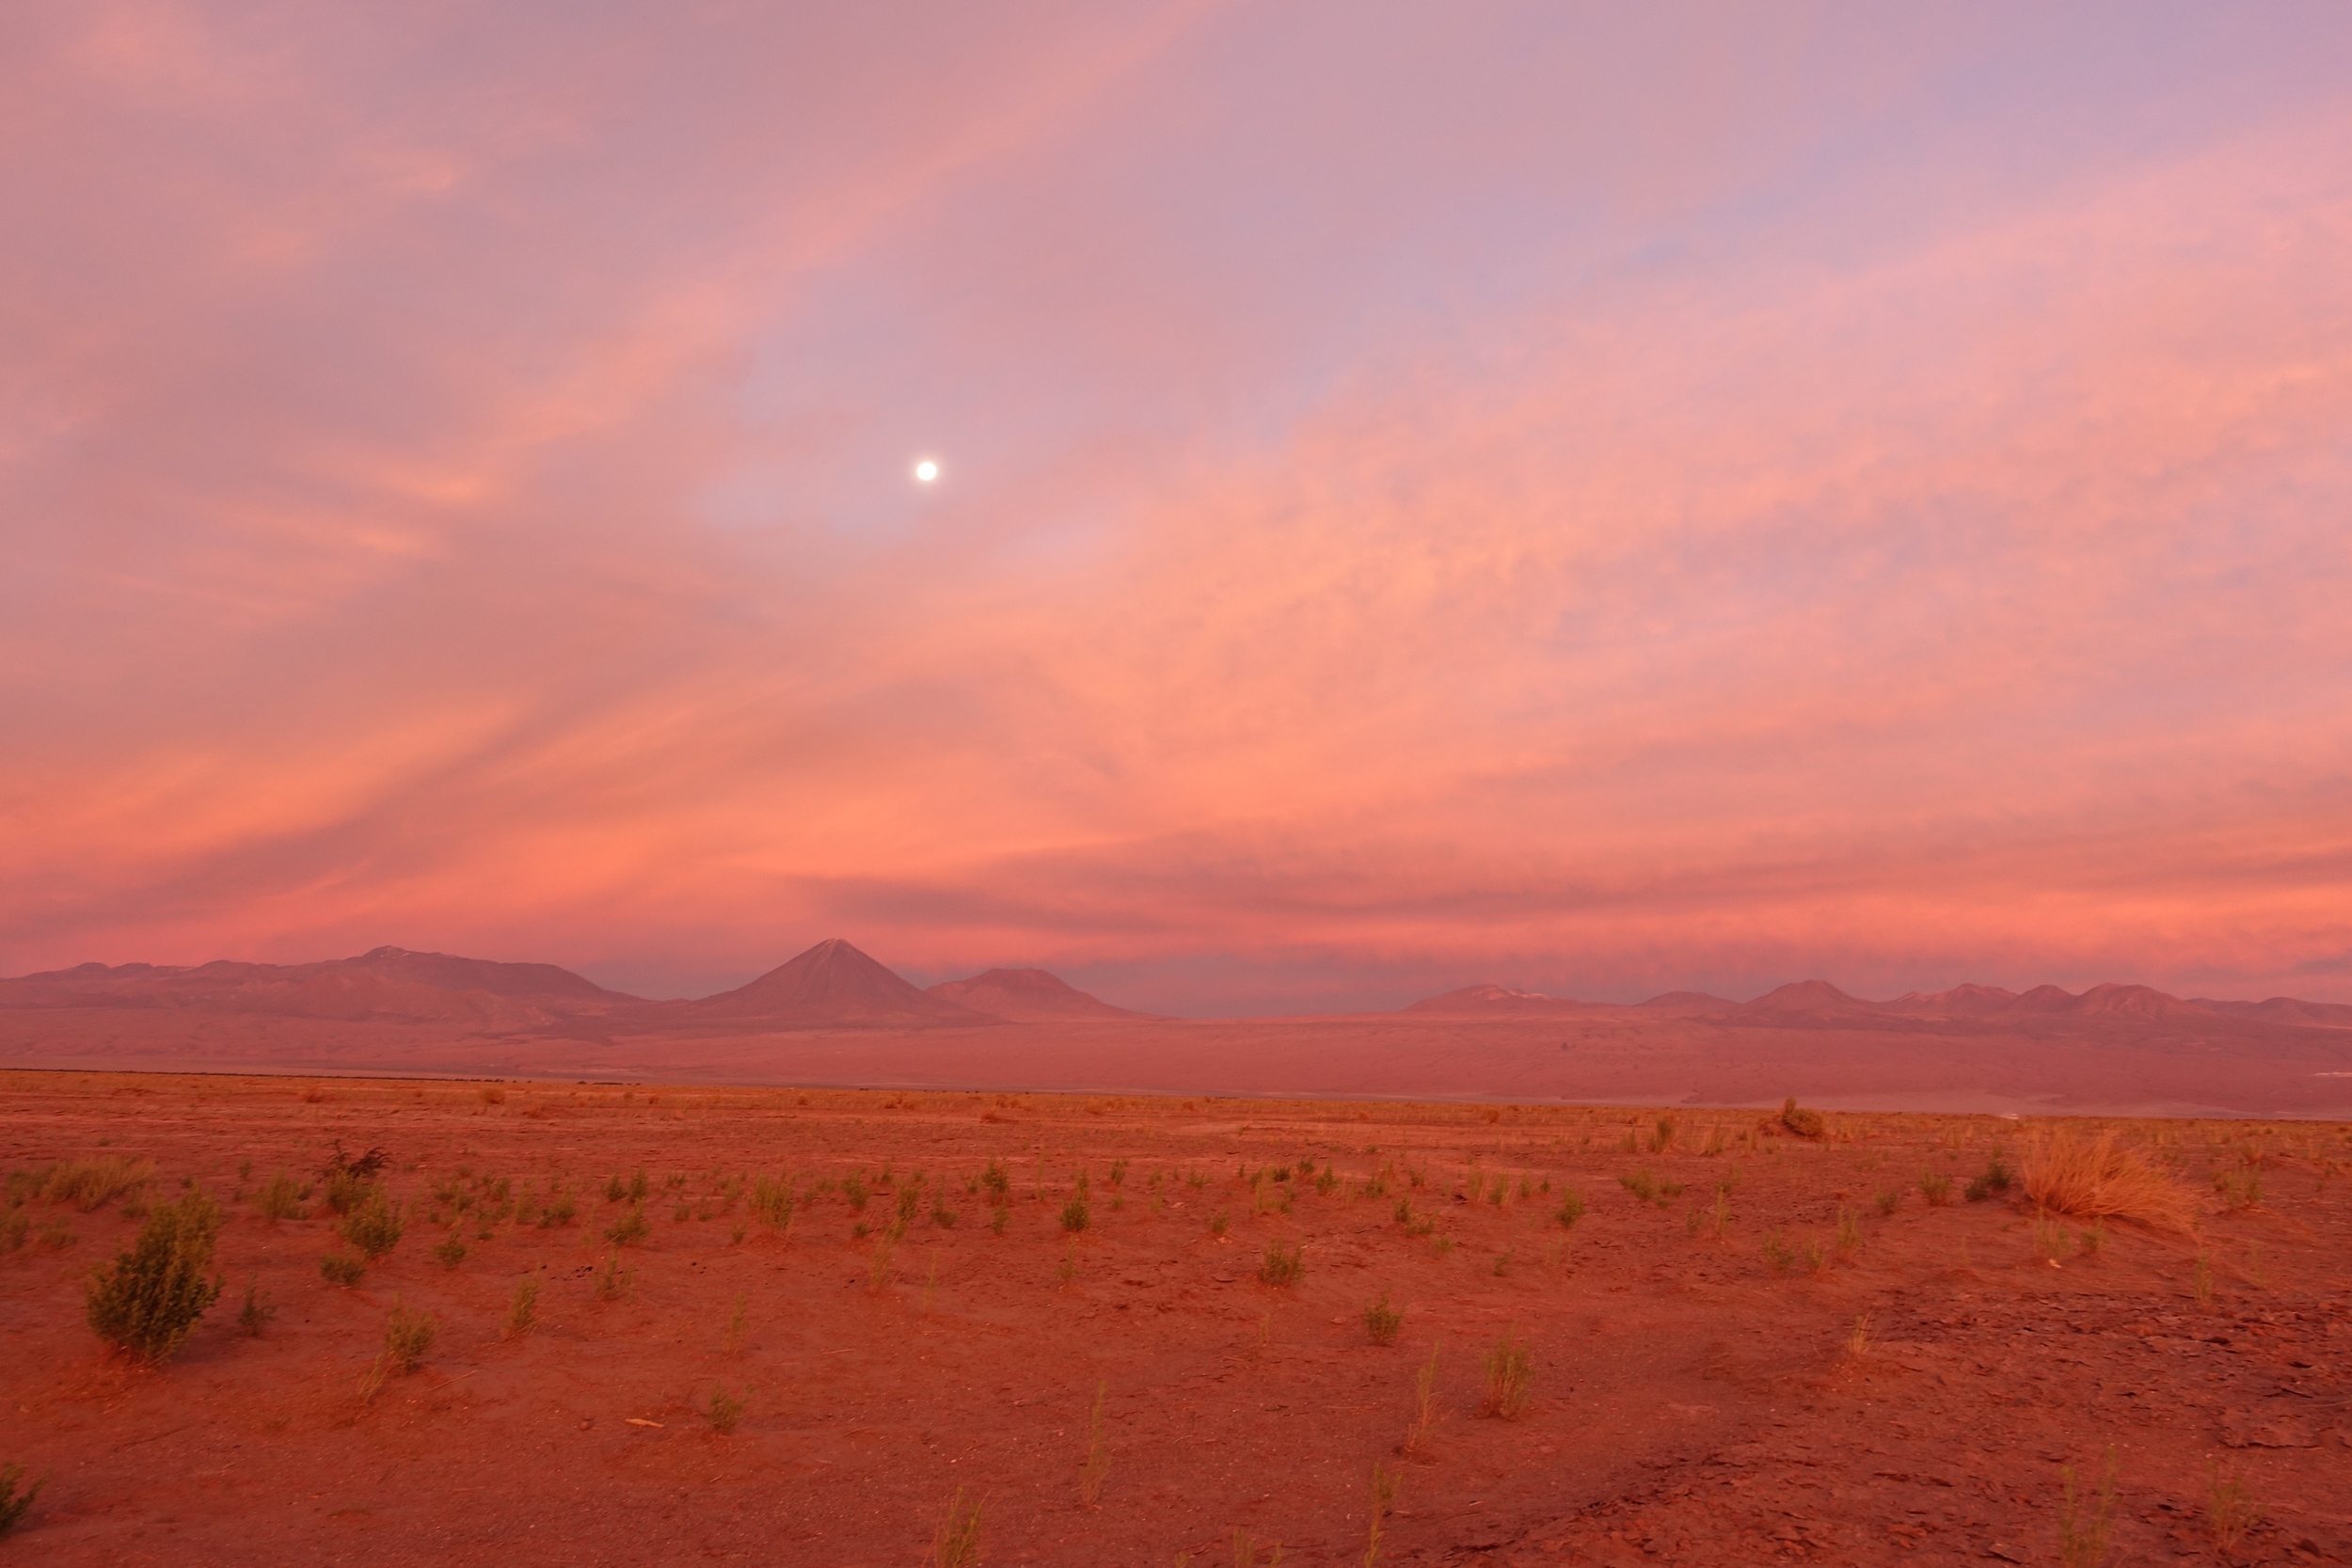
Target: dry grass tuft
958, 1543
88, 1184
2097, 1180
2231, 1511
1510, 1377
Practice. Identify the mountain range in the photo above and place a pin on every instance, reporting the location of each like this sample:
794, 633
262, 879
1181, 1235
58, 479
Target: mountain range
834, 985
1819, 1005
831, 985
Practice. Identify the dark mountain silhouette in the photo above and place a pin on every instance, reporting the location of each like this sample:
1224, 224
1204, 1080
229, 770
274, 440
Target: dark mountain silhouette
1963, 1001
831, 983
1803, 999
385, 984
1696, 1002
1027, 996
2285, 1009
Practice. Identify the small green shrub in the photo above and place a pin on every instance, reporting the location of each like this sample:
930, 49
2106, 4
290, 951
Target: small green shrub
408, 1336
1936, 1188
1218, 1221
1997, 1179
148, 1303
341, 1268
1888, 1201
451, 1252
258, 1310
1571, 1207
725, 1412
375, 1227
613, 1279
1641, 1183
347, 1191
1383, 1322
280, 1198
1074, 1215
631, 1228
1281, 1266
853, 1188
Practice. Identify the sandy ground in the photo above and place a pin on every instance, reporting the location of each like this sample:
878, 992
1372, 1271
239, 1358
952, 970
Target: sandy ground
1693, 1398
1628, 1057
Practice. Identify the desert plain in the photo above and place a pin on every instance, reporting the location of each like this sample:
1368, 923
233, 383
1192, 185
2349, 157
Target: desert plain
812, 1326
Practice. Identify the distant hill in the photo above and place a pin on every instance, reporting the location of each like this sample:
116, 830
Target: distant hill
1803, 999
1489, 1001
2285, 1009
385, 984
1689, 1002
833, 983
1027, 996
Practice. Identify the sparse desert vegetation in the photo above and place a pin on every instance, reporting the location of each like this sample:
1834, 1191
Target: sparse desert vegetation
1695, 1329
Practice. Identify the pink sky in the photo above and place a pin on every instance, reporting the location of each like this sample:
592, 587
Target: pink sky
1594, 498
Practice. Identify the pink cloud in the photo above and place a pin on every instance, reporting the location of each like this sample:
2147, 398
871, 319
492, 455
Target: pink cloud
454, 474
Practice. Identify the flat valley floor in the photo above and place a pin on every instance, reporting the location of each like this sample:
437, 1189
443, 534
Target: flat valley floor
1748, 1346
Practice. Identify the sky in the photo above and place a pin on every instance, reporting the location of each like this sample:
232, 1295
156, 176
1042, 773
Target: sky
1591, 497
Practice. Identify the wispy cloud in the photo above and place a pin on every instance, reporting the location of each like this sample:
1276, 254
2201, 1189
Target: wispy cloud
1516, 497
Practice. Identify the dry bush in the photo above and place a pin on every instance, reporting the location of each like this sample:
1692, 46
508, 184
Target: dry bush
2097, 1180
406, 1336
14, 1504
280, 1198
373, 1226
1383, 1322
148, 1303
87, 1184
725, 1412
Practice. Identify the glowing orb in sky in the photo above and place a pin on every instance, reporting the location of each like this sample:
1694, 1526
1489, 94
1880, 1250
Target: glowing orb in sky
926, 472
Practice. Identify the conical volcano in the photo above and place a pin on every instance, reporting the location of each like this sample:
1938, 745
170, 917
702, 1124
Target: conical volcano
832, 983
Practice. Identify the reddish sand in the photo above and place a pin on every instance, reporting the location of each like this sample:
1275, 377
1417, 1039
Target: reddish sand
1629, 1056
1692, 1402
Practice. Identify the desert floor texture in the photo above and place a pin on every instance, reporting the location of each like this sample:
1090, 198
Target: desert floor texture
1749, 1346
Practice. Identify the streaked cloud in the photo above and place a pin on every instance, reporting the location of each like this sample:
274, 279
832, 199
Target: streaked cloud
1591, 501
